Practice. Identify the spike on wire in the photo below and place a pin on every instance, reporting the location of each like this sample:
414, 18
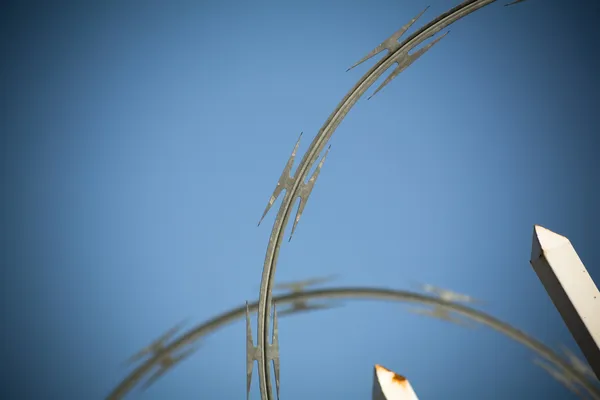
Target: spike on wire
153, 378
513, 3
156, 346
250, 352
390, 43
284, 180
404, 61
275, 341
305, 191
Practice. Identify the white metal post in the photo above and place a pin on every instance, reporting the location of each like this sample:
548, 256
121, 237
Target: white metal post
571, 289
387, 385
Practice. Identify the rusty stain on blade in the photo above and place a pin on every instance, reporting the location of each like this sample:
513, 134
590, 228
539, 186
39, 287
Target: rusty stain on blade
388, 385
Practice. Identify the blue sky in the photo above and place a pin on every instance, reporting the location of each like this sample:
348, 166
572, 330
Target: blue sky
140, 145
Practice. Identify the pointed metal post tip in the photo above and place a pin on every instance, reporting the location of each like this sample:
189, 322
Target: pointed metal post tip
571, 289
388, 385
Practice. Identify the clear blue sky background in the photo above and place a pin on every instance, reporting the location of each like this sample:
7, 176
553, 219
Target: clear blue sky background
141, 142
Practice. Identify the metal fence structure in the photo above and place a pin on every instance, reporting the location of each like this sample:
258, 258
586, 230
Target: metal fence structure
580, 312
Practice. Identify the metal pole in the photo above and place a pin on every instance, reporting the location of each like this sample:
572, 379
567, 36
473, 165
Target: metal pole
388, 385
571, 289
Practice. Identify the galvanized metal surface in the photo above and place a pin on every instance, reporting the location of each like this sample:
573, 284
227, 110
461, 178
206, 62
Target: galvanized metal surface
188, 338
295, 185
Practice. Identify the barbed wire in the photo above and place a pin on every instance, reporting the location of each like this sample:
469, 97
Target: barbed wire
296, 186
355, 293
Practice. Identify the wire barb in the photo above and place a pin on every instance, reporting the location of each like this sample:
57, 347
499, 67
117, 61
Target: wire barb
514, 2
285, 180
305, 190
167, 361
156, 346
251, 352
390, 43
441, 314
274, 349
559, 375
404, 60
304, 307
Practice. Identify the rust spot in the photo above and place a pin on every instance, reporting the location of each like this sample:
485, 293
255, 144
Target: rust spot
400, 380
396, 378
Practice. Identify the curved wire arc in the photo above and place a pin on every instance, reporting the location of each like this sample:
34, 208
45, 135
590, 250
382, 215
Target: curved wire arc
293, 184
221, 320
